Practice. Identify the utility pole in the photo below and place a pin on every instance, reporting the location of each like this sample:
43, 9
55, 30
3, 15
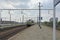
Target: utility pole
39, 15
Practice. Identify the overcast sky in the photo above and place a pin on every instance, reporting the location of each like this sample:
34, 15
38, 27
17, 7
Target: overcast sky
30, 4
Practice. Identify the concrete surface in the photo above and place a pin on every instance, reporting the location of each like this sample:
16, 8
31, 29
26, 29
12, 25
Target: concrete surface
35, 33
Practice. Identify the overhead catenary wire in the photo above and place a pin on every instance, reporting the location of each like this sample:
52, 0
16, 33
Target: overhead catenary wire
25, 9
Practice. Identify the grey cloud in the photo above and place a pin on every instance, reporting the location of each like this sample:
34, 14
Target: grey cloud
3, 0
24, 1
22, 6
48, 5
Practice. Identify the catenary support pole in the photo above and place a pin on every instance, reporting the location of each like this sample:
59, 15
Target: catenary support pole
39, 16
22, 16
0, 16
54, 22
10, 16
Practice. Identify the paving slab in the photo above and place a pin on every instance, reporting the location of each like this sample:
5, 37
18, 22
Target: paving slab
35, 33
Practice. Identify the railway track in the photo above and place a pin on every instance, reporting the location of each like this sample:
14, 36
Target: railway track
6, 34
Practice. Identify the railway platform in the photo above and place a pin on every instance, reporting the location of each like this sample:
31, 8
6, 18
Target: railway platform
34, 33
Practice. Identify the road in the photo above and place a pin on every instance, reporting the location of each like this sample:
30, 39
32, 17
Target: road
35, 33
